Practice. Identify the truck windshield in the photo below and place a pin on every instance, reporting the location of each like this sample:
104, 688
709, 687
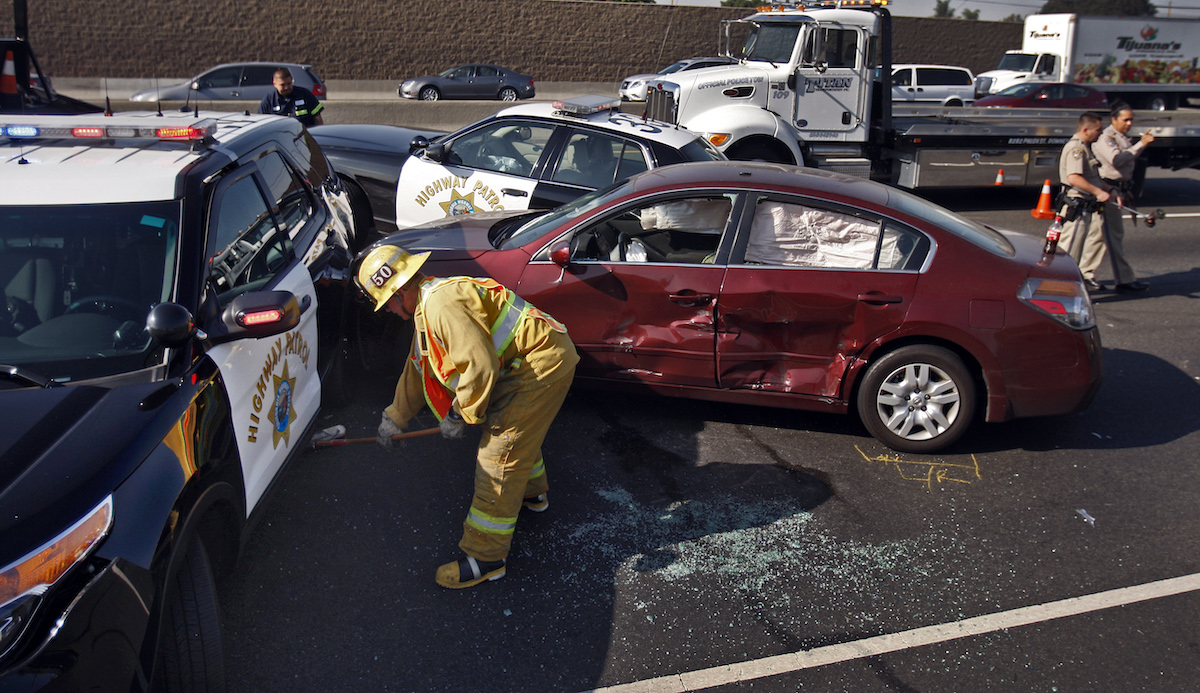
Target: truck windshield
1018, 62
767, 42
78, 282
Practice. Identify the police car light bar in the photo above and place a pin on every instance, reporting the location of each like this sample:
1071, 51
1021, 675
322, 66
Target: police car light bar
198, 131
586, 105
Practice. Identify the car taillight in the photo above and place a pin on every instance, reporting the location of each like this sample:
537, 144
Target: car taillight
318, 90
1065, 301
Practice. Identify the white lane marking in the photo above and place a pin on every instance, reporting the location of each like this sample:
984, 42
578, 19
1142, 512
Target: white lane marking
918, 637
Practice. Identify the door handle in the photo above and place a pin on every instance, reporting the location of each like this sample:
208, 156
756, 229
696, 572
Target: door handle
879, 299
514, 192
688, 297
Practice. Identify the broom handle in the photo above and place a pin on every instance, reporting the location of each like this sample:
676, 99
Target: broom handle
355, 441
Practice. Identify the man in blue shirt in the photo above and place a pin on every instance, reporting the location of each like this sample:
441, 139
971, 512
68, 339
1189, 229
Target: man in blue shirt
290, 100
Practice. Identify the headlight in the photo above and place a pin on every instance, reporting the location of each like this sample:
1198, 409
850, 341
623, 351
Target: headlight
407, 85
23, 583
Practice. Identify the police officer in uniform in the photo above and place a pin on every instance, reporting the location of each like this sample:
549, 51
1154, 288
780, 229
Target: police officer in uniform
1118, 157
480, 355
291, 100
1082, 235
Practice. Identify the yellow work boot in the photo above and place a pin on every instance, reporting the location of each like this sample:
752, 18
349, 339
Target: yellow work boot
468, 572
537, 504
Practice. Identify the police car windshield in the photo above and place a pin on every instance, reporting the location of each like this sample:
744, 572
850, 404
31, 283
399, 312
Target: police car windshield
78, 282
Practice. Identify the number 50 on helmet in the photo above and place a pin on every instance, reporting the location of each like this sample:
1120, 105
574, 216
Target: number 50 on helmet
385, 270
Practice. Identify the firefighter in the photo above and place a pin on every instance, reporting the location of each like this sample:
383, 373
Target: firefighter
480, 355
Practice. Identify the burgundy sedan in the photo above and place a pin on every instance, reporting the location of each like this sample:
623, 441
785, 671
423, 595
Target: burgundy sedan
1041, 95
782, 286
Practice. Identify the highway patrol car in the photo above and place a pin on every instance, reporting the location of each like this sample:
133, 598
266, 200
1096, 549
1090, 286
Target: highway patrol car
173, 286
532, 156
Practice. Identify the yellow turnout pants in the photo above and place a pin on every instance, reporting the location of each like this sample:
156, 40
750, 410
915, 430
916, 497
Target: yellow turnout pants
509, 465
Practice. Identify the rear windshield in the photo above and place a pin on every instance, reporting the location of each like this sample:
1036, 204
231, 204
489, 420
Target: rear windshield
971, 231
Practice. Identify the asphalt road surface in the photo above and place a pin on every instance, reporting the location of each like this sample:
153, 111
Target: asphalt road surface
697, 546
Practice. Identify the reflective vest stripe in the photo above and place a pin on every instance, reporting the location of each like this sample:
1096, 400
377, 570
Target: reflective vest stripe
491, 525
538, 469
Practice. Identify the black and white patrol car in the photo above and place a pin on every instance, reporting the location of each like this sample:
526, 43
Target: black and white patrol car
174, 290
532, 156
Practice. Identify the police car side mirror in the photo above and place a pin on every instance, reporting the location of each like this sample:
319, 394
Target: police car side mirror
418, 143
436, 152
258, 314
171, 325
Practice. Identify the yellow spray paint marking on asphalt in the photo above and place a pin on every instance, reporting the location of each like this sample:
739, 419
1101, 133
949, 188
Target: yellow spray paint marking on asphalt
929, 472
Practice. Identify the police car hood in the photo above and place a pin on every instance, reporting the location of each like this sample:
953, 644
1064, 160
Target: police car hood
63, 449
459, 237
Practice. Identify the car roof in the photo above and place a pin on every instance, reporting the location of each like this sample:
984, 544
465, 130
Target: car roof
62, 169
949, 67
657, 131
259, 62
755, 174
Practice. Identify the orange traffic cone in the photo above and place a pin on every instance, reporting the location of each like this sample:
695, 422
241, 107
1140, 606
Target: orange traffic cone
8, 79
1043, 210
999, 177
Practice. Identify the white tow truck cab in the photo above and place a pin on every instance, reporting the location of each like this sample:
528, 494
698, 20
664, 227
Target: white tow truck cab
812, 86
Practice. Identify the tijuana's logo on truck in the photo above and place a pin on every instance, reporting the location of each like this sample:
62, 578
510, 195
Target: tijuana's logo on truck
1148, 42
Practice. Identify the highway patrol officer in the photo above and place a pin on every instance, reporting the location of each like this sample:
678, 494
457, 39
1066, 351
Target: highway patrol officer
1118, 156
1077, 167
291, 100
480, 355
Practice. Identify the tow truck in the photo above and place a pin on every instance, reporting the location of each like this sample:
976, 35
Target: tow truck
812, 86
24, 88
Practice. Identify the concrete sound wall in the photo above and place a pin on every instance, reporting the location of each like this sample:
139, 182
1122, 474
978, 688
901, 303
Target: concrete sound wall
554, 40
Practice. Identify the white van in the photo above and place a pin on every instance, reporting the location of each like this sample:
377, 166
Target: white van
945, 85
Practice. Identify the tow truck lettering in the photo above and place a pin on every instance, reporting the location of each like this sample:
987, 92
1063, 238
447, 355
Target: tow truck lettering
1038, 140
278, 388
731, 81
815, 84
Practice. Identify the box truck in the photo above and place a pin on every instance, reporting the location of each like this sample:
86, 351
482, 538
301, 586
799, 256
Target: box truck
1147, 62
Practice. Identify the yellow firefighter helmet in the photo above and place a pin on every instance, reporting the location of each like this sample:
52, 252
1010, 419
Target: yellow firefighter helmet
385, 270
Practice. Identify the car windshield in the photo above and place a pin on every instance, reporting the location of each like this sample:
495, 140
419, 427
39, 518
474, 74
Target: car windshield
541, 225
78, 283
701, 150
1020, 62
1019, 90
673, 67
974, 232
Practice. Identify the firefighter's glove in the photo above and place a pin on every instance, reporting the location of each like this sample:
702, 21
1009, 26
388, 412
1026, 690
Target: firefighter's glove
453, 426
387, 429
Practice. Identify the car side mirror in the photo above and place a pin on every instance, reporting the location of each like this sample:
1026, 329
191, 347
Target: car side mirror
418, 143
560, 254
171, 325
436, 152
195, 86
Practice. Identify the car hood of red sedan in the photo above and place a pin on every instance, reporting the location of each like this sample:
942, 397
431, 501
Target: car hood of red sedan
466, 234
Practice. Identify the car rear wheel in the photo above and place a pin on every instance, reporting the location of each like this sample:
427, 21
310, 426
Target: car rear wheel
918, 398
429, 94
193, 659
508, 94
